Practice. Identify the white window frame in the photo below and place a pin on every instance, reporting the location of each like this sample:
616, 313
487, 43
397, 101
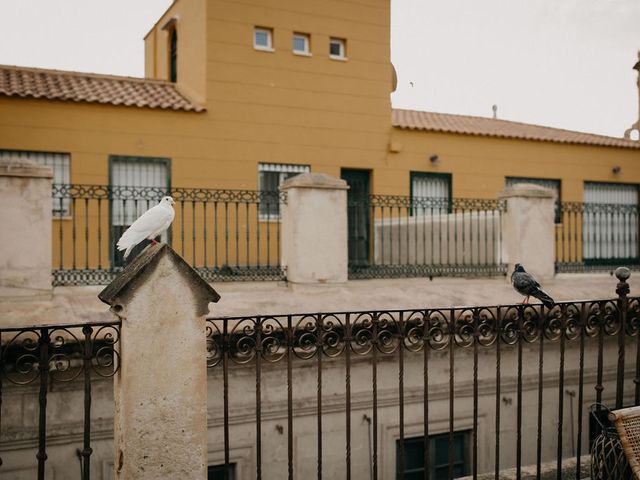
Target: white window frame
269, 34
343, 48
307, 44
285, 170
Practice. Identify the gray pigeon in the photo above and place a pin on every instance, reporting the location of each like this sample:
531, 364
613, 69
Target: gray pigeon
527, 285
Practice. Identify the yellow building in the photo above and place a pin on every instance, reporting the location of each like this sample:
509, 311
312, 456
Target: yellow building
239, 96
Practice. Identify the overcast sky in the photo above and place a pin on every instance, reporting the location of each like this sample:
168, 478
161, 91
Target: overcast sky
562, 63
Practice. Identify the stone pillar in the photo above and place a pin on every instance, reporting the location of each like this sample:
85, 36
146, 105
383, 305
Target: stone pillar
25, 229
160, 391
528, 229
314, 229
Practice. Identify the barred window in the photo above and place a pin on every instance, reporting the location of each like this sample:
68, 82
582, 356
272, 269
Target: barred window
59, 162
271, 175
430, 193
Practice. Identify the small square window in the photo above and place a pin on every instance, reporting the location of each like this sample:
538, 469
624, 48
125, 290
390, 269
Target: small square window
337, 48
301, 43
263, 39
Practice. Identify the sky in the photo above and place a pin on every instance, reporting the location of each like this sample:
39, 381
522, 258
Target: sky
560, 63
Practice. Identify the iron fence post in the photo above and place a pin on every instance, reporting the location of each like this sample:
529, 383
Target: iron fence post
622, 289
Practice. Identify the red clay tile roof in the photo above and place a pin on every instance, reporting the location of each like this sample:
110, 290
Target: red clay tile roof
468, 125
93, 88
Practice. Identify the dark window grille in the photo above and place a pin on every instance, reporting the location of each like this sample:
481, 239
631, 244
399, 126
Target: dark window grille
173, 57
413, 467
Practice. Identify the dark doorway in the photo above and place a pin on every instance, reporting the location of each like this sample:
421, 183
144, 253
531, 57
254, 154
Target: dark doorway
358, 215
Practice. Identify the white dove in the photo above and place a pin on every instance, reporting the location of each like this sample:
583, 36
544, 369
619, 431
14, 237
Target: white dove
149, 225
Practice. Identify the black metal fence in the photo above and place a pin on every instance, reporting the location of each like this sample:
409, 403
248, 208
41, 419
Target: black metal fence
224, 234
404, 236
54, 354
597, 236
507, 344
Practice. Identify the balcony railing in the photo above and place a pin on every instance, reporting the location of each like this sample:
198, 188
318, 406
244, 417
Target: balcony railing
50, 356
403, 236
597, 236
224, 234
505, 376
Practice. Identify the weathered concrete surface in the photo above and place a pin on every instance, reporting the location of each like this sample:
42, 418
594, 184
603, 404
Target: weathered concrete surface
548, 471
314, 229
80, 304
160, 406
25, 232
528, 230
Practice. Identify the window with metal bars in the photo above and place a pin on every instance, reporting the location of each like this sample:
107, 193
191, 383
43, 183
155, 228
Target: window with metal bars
551, 184
271, 175
430, 193
137, 184
59, 162
414, 468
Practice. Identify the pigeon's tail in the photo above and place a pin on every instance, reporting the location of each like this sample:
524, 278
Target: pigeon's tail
128, 251
544, 298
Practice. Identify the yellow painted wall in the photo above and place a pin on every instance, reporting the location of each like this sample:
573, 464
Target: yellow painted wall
480, 164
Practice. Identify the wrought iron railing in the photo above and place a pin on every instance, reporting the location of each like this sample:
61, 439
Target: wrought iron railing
55, 354
404, 236
597, 236
521, 351
224, 234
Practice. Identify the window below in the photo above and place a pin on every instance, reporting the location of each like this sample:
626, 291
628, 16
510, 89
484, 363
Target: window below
413, 467
430, 193
216, 472
543, 182
338, 48
301, 44
271, 175
263, 39
59, 162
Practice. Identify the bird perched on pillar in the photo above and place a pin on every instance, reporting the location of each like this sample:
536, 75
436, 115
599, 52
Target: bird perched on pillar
527, 285
148, 226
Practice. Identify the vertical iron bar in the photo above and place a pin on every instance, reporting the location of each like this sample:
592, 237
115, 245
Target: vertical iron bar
193, 233
541, 327
583, 323
237, 207
476, 321
374, 385
401, 392
599, 387
73, 232
86, 234
1, 370
258, 234
43, 368
561, 393
204, 234
182, 228
60, 232
319, 340
268, 225
246, 215
226, 234
100, 234
425, 401
225, 395
289, 397
258, 398
347, 381
520, 339
622, 289
497, 448
86, 451
451, 384
215, 234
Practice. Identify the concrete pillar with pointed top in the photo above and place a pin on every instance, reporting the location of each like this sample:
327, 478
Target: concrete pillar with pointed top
528, 229
160, 390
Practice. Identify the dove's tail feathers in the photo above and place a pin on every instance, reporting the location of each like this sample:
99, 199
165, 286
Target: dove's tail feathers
545, 299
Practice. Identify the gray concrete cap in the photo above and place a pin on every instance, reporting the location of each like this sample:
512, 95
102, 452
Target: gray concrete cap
527, 190
138, 270
22, 167
314, 180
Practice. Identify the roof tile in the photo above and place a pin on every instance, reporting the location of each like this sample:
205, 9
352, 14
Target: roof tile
92, 88
490, 127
